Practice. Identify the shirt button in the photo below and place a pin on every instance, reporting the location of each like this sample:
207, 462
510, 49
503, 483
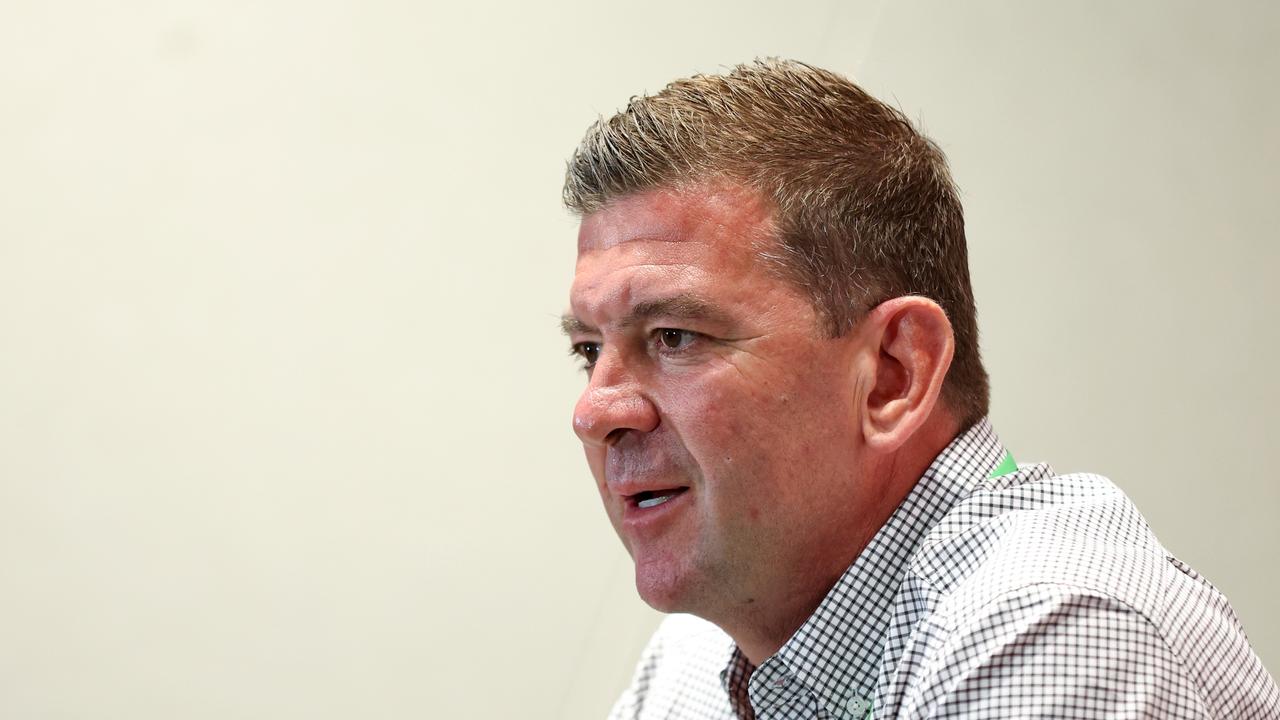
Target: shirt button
857, 707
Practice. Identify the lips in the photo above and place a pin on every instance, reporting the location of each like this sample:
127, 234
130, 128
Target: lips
648, 513
647, 499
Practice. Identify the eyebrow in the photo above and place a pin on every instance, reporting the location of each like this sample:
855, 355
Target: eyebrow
680, 307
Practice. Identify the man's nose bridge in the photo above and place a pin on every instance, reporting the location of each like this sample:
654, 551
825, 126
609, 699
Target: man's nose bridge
610, 371
611, 397
611, 384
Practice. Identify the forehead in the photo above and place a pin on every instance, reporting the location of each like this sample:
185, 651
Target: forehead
732, 217
662, 242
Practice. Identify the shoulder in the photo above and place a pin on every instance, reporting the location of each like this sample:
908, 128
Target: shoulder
1053, 589
1036, 527
1050, 651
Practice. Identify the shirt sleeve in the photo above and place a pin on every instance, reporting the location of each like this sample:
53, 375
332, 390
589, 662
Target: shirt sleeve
1049, 651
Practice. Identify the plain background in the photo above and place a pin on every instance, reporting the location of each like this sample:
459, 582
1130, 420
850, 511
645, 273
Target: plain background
284, 411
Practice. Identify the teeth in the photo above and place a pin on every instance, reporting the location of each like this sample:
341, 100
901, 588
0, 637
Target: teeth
654, 501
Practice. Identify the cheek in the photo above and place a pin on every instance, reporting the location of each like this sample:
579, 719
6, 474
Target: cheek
754, 418
740, 433
775, 433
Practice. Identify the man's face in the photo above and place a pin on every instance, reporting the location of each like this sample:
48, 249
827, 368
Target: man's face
718, 419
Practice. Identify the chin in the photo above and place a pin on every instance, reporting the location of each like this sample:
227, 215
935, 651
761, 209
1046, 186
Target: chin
664, 587
659, 598
659, 586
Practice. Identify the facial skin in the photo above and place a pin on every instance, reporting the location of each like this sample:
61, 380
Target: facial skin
712, 382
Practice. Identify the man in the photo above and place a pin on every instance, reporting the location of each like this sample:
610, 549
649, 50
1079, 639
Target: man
785, 417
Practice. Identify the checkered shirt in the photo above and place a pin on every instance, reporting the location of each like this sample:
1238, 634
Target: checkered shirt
1023, 595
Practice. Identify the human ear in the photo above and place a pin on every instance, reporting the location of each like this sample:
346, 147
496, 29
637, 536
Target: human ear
914, 344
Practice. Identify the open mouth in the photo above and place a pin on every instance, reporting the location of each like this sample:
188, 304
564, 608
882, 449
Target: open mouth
654, 498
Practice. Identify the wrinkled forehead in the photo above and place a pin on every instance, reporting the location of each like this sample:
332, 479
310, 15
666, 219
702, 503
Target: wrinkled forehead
659, 244
733, 218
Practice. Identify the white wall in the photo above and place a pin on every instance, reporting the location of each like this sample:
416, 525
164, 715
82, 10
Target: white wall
283, 406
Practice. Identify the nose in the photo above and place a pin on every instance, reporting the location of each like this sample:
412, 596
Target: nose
612, 404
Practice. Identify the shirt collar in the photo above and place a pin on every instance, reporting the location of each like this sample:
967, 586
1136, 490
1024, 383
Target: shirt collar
836, 653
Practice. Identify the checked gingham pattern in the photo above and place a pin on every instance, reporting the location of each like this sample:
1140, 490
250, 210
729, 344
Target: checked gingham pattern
1029, 595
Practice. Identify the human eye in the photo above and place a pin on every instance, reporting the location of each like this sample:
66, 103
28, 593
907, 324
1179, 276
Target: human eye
674, 340
587, 351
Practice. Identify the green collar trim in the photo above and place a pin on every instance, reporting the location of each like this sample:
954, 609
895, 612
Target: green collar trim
1006, 466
